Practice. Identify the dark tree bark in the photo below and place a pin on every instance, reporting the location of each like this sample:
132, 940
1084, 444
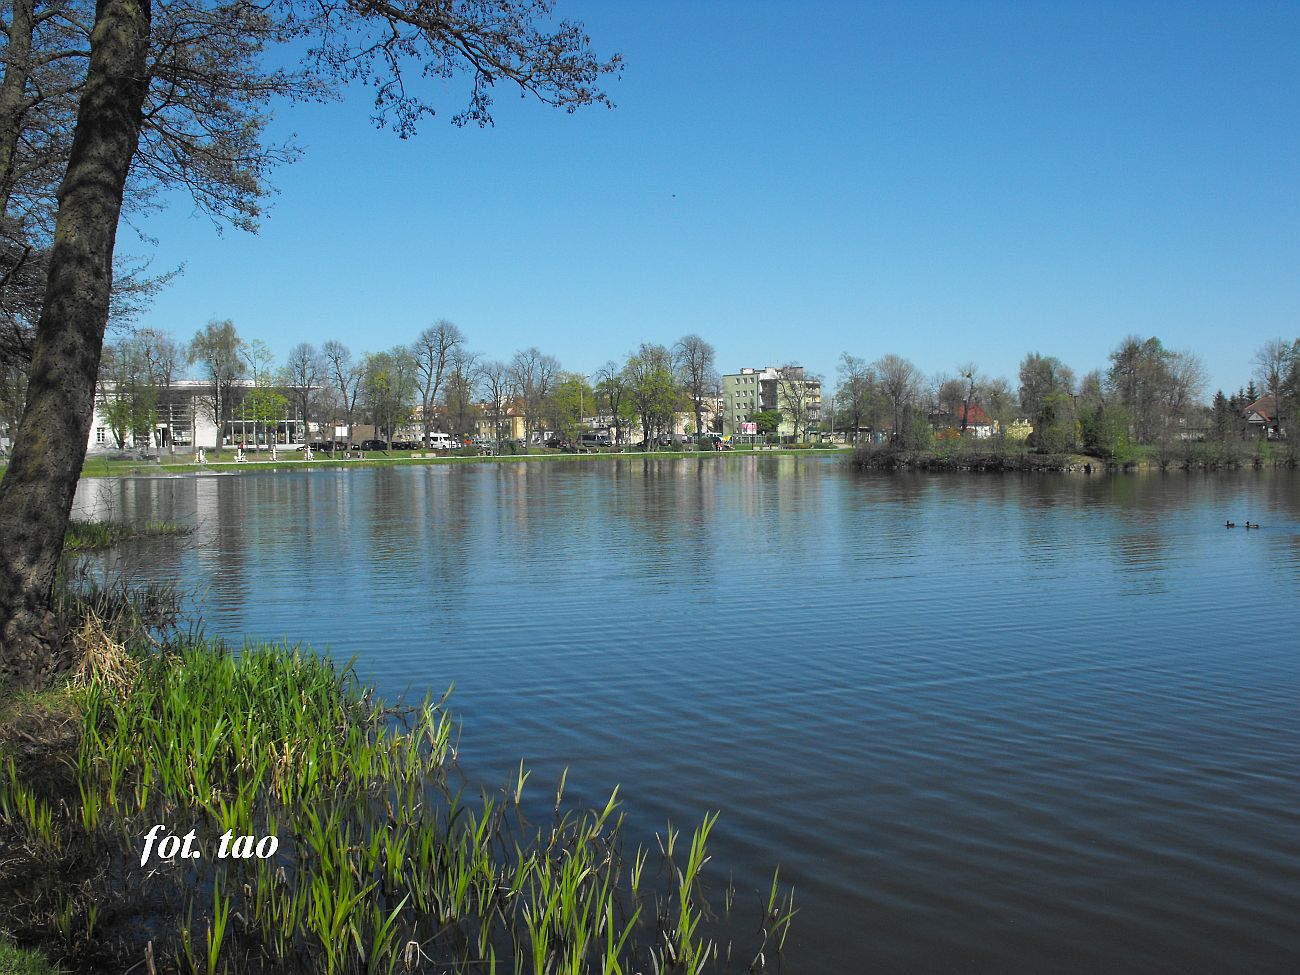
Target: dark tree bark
12, 93
37, 491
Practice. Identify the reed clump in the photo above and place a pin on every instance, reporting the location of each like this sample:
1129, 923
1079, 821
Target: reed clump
85, 536
380, 862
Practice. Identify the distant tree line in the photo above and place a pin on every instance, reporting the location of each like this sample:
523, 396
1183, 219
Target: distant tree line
1147, 395
436, 384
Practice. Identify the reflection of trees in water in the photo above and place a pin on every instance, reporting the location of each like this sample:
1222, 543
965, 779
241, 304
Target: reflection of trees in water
577, 529
1147, 523
400, 543
777, 502
227, 559
442, 526
590, 524
139, 501
669, 508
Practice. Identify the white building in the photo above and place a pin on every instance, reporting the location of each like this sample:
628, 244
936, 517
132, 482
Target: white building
183, 421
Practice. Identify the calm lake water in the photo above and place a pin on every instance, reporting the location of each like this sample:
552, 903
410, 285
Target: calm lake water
983, 723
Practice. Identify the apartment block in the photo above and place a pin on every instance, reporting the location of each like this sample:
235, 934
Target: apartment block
788, 390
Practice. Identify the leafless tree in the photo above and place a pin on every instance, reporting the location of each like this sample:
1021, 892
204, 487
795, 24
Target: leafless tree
533, 375
1272, 362
304, 376
498, 384
433, 352
611, 386
344, 374
969, 372
163, 357
1000, 402
900, 382
462, 379
1185, 389
694, 359
798, 398
856, 392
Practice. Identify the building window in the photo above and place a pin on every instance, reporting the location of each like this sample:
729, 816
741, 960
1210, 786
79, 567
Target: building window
99, 435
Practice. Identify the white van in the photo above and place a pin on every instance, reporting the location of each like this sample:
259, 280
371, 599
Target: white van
441, 441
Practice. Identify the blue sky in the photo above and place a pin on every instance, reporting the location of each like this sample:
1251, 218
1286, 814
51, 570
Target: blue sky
948, 181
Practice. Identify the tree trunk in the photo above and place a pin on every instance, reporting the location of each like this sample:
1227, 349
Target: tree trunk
13, 93
37, 491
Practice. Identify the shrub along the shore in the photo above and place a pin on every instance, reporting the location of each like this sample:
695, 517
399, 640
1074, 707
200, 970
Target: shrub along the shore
1001, 455
379, 860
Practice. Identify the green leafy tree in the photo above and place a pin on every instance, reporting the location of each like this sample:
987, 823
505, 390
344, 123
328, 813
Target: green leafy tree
767, 421
266, 407
652, 389
128, 397
389, 389
1047, 398
1224, 424
572, 399
218, 352
1104, 432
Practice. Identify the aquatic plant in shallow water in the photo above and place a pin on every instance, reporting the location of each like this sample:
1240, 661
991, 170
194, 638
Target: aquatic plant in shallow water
380, 860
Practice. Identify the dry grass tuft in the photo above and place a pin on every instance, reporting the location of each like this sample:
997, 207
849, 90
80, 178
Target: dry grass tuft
104, 660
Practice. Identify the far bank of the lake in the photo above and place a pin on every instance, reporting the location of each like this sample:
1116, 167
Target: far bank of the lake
106, 467
972, 457
948, 459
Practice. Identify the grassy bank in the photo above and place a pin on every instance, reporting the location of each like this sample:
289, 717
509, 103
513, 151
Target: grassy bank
181, 464
380, 861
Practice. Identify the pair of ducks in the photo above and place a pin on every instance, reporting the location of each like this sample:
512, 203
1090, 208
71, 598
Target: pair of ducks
1233, 524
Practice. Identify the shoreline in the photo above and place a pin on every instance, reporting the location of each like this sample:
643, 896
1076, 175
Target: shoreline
95, 467
880, 460
974, 462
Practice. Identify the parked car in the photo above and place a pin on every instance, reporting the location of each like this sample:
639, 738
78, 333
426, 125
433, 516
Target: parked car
556, 443
442, 441
678, 441
373, 445
592, 442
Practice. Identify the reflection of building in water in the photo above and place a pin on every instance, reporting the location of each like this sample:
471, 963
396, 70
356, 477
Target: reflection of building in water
181, 416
